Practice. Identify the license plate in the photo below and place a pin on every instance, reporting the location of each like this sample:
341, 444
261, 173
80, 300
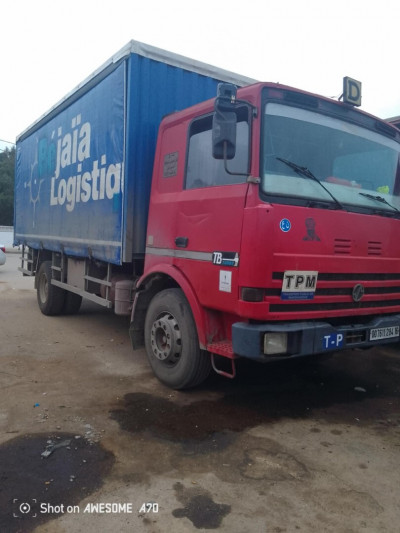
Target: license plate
384, 333
333, 341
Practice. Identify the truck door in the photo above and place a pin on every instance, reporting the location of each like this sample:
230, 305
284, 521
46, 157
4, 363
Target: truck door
209, 215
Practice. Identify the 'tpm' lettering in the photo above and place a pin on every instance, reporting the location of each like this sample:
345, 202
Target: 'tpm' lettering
310, 282
298, 281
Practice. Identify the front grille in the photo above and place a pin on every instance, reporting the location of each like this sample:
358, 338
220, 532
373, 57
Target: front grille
348, 277
333, 306
334, 293
344, 291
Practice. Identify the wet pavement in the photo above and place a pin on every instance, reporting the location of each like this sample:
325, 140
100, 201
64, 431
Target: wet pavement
50, 483
302, 446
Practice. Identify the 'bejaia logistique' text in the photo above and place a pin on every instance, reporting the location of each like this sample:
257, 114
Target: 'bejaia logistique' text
98, 182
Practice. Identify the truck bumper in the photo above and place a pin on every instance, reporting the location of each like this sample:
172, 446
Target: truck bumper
307, 338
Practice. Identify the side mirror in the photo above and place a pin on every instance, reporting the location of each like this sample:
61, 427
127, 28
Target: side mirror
224, 122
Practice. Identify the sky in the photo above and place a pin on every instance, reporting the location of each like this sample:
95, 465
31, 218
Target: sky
48, 47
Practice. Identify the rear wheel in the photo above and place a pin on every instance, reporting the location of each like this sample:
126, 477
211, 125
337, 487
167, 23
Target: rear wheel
50, 298
172, 343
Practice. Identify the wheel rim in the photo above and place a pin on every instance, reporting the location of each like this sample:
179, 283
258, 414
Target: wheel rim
165, 337
43, 289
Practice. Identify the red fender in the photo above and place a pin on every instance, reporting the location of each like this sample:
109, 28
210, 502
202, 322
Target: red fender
198, 311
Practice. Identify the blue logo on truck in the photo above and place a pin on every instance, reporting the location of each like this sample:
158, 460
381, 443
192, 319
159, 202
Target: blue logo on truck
71, 180
285, 225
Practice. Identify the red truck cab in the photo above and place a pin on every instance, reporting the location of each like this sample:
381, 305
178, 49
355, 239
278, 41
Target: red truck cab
286, 247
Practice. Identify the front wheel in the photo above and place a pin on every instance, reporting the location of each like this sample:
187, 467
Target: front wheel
50, 298
172, 343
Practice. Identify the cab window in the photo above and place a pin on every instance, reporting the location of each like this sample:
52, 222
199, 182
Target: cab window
202, 170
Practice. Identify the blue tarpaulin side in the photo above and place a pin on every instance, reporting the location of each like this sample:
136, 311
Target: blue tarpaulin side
155, 89
70, 175
83, 171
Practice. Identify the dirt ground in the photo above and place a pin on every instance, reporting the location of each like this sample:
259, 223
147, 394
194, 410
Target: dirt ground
90, 441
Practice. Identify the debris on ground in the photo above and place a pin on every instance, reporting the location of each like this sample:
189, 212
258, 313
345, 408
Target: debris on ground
52, 447
360, 389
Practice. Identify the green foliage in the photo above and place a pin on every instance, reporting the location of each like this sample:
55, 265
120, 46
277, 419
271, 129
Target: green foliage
7, 167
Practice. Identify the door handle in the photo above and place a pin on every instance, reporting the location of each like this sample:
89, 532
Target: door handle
181, 242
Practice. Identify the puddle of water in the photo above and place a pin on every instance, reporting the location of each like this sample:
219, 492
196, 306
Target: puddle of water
199, 507
282, 391
30, 483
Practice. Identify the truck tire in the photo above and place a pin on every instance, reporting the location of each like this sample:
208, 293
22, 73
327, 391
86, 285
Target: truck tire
172, 343
50, 298
72, 303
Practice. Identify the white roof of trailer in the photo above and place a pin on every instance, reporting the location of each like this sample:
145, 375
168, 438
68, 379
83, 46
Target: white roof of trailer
393, 120
157, 54
176, 60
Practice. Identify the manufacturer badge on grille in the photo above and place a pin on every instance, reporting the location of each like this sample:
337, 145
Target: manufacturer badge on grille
358, 292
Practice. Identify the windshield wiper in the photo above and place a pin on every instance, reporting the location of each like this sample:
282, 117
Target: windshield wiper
379, 199
304, 171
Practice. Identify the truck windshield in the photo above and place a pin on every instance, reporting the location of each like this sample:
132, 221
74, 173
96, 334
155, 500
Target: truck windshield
358, 168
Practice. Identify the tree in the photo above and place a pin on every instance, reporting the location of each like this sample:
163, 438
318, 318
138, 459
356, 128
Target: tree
7, 169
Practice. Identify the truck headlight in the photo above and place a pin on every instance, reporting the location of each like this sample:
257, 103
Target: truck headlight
275, 343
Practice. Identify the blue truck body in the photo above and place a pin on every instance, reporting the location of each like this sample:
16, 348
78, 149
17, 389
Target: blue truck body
83, 170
